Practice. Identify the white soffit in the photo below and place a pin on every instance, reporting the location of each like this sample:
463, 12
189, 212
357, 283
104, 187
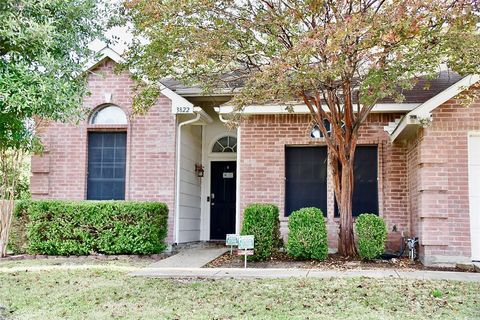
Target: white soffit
302, 108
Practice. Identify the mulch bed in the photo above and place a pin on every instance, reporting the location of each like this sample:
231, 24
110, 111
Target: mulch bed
333, 262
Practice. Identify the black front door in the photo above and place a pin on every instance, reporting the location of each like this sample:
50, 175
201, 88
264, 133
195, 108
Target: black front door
222, 199
106, 165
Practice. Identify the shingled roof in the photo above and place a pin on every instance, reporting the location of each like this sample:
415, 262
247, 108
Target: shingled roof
421, 92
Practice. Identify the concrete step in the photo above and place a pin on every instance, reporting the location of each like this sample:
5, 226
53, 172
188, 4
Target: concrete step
476, 266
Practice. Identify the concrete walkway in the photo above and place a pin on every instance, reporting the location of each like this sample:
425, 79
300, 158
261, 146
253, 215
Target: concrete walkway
194, 257
252, 273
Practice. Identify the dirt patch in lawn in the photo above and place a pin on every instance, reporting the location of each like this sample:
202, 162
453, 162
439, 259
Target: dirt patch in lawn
97, 259
333, 262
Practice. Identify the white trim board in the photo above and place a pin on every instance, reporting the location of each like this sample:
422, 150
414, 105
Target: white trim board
474, 192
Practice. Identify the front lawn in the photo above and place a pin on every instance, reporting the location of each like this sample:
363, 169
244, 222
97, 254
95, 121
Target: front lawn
104, 294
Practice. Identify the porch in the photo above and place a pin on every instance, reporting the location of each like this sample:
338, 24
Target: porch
206, 183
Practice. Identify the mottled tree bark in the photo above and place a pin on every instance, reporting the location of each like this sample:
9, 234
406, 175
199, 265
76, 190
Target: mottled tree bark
9, 162
346, 245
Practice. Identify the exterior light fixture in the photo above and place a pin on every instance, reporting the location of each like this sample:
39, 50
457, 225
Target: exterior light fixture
199, 170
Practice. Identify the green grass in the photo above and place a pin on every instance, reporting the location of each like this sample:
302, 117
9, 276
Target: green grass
106, 294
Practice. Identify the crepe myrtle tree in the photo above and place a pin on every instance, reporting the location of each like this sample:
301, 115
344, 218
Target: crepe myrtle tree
339, 58
43, 47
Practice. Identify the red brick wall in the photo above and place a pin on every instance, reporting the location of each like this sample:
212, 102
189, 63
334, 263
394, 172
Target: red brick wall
438, 182
61, 172
262, 173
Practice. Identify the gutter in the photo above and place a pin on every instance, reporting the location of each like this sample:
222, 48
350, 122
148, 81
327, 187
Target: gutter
177, 177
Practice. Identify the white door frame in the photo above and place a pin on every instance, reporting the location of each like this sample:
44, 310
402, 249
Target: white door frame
207, 157
473, 184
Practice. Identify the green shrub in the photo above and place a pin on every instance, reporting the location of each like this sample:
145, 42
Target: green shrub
307, 234
371, 235
261, 221
82, 227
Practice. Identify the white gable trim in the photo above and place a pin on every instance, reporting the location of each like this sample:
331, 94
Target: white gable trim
179, 103
428, 106
104, 53
423, 111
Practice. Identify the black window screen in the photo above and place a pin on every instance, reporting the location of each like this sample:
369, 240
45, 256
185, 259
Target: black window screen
305, 178
106, 165
365, 192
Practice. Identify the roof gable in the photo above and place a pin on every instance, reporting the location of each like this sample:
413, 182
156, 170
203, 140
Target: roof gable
423, 113
103, 54
179, 103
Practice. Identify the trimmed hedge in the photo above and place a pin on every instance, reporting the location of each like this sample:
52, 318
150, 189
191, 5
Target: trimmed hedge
371, 234
307, 234
261, 221
58, 227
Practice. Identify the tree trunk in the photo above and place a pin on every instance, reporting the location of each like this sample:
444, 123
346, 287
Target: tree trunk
9, 163
346, 245
6, 213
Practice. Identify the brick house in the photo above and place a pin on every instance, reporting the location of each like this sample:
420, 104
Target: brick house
417, 164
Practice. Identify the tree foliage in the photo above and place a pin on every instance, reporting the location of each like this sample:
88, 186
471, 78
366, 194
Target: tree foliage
278, 49
338, 57
43, 47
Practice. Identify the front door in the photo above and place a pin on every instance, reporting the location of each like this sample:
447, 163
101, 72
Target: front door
222, 198
474, 193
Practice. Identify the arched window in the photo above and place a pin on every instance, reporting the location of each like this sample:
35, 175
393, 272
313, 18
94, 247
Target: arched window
316, 133
225, 144
109, 115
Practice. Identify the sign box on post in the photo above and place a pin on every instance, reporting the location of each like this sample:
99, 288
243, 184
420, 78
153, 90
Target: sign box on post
232, 240
245, 246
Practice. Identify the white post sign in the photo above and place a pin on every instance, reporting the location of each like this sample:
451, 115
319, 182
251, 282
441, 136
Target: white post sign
245, 247
232, 240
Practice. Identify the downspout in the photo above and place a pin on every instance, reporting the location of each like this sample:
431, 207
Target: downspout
177, 177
